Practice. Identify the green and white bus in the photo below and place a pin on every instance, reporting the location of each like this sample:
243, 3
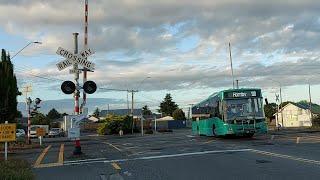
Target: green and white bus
230, 112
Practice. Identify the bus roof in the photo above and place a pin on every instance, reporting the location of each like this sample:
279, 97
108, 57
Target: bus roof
226, 91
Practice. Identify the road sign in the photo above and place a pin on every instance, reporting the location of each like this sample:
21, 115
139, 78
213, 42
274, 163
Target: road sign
63, 64
75, 58
7, 132
86, 53
72, 71
73, 133
40, 132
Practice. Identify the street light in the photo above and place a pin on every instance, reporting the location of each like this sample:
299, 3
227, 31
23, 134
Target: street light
143, 81
33, 42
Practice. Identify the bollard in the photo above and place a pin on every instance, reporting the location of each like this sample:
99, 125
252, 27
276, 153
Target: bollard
77, 148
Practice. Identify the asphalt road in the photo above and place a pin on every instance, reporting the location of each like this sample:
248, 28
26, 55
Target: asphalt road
179, 155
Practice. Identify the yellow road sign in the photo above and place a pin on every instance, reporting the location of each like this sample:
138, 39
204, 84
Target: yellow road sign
40, 132
7, 132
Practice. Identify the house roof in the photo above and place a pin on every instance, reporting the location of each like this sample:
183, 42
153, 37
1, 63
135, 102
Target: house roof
166, 118
120, 112
314, 108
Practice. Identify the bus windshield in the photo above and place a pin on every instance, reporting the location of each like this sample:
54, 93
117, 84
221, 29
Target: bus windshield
244, 108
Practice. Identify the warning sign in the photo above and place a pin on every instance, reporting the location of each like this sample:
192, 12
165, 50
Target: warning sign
7, 132
40, 132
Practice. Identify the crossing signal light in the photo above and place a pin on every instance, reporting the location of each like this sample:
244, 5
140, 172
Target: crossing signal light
68, 87
89, 87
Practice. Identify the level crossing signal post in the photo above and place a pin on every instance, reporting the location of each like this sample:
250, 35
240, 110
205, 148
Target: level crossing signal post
68, 87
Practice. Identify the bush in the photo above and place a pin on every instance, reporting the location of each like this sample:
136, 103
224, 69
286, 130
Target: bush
16, 169
112, 125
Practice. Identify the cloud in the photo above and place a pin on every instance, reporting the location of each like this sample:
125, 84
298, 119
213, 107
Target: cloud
135, 39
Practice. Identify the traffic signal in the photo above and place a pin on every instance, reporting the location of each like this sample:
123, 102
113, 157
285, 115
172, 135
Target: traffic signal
68, 87
89, 87
37, 101
34, 111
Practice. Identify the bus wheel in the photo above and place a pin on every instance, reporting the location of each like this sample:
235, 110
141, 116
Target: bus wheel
213, 128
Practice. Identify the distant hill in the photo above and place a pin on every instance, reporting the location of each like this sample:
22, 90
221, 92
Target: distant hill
66, 105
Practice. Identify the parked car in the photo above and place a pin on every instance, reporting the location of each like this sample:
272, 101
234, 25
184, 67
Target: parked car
55, 132
20, 133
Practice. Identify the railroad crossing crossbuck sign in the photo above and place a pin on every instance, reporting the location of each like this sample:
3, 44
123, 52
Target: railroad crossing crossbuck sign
72, 58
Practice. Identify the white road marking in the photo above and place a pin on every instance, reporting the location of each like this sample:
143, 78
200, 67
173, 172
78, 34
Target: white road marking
79, 162
286, 157
190, 136
113, 146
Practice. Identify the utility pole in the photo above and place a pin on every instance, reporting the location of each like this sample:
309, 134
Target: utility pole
132, 111
132, 103
310, 103
28, 101
231, 65
128, 102
26, 90
108, 110
281, 105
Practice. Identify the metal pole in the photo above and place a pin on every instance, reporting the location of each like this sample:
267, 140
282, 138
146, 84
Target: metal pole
141, 125
155, 124
76, 76
231, 65
29, 121
40, 140
6, 147
310, 104
128, 103
77, 150
132, 110
281, 105
237, 83
84, 95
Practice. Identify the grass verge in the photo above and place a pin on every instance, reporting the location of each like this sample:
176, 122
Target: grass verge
15, 169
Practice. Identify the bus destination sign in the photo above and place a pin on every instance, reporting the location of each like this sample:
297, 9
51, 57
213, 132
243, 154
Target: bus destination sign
242, 94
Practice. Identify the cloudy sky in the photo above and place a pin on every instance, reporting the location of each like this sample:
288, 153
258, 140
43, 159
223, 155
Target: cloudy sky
181, 45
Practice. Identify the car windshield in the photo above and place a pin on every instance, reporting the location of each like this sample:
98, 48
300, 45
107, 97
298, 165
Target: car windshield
244, 108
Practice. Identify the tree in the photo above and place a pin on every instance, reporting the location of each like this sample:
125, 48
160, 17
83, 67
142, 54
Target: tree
178, 114
40, 119
96, 113
8, 89
270, 110
53, 114
19, 114
167, 106
146, 111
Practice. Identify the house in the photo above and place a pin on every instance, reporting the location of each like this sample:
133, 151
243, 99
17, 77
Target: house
295, 115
